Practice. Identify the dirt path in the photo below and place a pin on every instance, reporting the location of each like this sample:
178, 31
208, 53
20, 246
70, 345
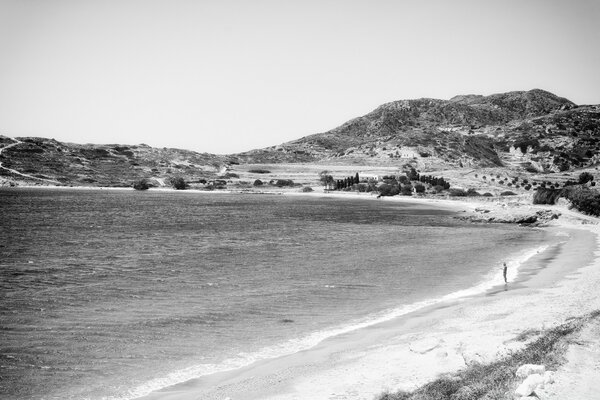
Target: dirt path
14, 171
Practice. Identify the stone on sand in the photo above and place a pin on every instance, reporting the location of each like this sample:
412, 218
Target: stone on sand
529, 385
528, 369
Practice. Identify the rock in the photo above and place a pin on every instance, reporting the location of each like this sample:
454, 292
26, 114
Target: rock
527, 369
548, 377
529, 385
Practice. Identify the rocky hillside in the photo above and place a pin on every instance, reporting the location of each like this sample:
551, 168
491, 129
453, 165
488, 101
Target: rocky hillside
47, 161
524, 132
535, 129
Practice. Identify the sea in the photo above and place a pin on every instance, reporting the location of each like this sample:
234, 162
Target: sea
113, 294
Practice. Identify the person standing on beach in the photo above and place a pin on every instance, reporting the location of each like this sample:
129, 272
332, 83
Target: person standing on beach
504, 269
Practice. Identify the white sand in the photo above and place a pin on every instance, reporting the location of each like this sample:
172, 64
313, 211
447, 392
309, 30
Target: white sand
409, 351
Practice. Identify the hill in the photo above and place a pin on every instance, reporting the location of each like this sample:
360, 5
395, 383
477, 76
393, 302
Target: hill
470, 130
525, 131
47, 161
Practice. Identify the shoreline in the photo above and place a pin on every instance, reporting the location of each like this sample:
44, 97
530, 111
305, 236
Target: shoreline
409, 351
354, 364
412, 349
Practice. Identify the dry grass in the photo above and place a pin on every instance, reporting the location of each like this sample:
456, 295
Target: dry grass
496, 380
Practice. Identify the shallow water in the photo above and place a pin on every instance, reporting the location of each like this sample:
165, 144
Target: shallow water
117, 293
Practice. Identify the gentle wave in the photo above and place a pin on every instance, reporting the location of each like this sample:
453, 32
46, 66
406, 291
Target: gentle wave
493, 279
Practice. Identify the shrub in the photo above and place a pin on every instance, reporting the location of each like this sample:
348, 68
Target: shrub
388, 190
284, 182
229, 175
362, 187
458, 192
584, 199
438, 188
487, 194
178, 183
406, 190
403, 179
259, 171
585, 177
473, 192
258, 182
527, 187
507, 193
307, 189
419, 188
546, 196
141, 184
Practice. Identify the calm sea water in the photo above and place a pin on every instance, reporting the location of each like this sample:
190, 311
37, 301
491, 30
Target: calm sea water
113, 294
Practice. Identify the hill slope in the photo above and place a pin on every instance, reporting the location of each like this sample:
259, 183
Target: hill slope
534, 131
470, 130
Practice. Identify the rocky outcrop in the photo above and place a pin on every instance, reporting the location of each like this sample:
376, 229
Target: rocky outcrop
536, 218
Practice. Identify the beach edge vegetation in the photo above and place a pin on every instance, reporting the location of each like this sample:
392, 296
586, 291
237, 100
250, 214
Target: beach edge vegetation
497, 379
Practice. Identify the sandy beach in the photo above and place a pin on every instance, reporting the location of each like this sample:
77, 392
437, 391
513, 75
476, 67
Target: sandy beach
550, 287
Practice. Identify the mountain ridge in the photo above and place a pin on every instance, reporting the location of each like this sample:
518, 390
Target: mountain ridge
535, 131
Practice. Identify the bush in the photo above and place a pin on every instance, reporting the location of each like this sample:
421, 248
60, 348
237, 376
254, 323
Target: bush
419, 188
307, 189
388, 190
258, 182
458, 192
229, 175
487, 194
473, 192
584, 199
438, 188
406, 190
178, 183
283, 182
259, 171
508, 193
142, 184
585, 177
546, 196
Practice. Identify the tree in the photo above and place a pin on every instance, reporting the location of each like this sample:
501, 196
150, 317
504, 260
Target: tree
142, 184
179, 183
419, 188
326, 179
413, 175
356, 179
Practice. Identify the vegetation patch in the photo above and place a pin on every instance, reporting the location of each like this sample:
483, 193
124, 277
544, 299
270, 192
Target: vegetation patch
497, 380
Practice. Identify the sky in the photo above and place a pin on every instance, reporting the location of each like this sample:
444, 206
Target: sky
225, 76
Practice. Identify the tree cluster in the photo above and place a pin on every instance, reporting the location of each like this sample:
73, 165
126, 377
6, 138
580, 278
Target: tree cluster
347, 182
434, 181
584, 199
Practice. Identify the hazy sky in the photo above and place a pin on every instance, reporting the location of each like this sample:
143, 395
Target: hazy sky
226, 76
